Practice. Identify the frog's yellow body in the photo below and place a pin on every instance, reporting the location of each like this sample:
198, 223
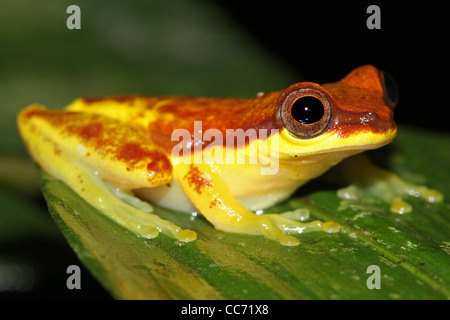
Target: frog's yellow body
133, 145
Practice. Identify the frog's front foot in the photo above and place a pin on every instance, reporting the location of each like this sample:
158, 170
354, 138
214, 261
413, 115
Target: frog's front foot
386, 185
212, 197
279, 228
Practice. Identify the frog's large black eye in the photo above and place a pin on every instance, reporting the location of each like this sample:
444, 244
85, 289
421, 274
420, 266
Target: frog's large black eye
390, 89
305, 110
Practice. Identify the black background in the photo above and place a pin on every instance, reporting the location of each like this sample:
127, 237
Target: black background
325, 40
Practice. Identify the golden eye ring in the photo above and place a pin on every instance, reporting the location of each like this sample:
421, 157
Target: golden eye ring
305, 110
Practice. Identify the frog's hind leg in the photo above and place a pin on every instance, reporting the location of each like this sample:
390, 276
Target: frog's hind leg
85, 150
212, 197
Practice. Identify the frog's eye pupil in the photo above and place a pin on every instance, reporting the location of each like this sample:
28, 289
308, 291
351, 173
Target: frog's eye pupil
307, 110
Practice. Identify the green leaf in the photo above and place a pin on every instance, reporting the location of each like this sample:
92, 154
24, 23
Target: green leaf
412, 250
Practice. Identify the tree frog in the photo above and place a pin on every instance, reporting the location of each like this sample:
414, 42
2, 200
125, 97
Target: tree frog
122, 153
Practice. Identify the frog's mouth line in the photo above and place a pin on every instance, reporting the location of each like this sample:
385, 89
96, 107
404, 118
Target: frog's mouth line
333, 144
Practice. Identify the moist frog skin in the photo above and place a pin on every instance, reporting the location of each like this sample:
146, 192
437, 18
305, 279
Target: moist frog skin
110, 150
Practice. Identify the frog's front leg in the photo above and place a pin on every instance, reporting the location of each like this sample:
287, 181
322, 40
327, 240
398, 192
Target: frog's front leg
212, 197
84, 150
366, 178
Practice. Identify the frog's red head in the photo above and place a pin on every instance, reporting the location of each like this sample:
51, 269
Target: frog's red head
353, 113
363, 100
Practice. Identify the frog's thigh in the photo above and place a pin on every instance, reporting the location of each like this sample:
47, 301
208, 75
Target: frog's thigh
82, 150
93, 189
212, 197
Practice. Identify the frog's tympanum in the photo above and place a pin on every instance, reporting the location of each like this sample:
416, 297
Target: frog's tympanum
122, 153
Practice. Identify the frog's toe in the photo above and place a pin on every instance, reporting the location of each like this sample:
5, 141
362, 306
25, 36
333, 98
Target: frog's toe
282, 229
186, 235
433, 196
149, 226
147, 231
398, 205
289, 241
425, 193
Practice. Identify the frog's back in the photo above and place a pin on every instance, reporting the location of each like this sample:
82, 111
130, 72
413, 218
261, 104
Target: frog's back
161, 116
